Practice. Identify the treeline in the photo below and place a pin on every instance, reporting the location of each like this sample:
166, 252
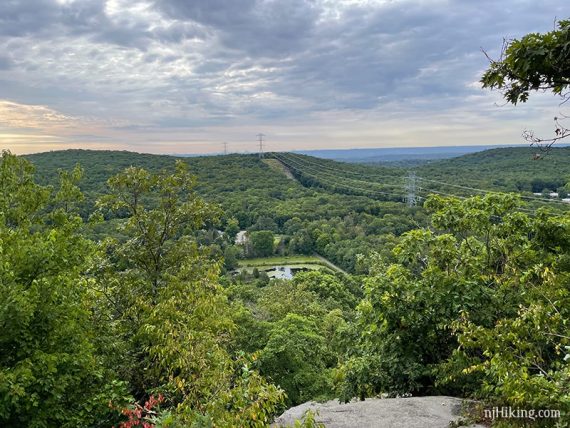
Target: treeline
506, 169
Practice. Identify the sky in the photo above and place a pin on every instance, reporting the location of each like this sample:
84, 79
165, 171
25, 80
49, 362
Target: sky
184, 76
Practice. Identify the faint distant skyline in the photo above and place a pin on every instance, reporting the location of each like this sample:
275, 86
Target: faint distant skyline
178, 76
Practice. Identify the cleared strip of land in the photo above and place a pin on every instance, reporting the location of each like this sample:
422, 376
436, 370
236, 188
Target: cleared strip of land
279, 167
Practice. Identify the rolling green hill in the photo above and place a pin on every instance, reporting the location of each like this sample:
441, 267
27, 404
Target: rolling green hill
242, 184
244, 180
496, 170
505, 169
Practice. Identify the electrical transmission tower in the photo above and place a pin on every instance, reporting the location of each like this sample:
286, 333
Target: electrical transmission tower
411, 190
260, 140
225, 148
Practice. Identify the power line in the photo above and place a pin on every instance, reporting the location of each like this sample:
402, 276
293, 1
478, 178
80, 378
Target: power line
337, 184
354, 188
412, 189
366, 190
302, 168
260, 140
225, 148
521, 209
304, 159
531, 198
336, 175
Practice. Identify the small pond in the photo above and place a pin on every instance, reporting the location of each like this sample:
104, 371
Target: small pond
284, 272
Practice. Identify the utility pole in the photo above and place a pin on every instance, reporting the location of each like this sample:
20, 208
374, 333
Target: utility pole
411, 189
225, 148
260, 139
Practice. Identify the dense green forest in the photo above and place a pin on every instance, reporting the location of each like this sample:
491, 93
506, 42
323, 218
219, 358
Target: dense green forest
256, 196
126, 297
507, 169
336, 209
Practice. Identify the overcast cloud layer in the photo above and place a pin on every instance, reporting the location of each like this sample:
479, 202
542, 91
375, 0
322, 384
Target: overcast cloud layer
181, 76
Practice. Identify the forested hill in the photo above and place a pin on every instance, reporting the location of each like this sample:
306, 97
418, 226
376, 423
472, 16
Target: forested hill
250, 188
507, 169
502, 169
242, 184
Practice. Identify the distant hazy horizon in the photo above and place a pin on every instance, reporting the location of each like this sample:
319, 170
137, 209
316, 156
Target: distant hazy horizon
342, 153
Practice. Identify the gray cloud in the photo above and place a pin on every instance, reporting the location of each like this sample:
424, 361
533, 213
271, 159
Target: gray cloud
170, 64
19, 18
256, 27
5, 63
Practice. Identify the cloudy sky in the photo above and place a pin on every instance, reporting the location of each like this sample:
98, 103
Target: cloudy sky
182, 76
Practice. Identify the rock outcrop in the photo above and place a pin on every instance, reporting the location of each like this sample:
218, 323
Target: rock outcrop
414, 412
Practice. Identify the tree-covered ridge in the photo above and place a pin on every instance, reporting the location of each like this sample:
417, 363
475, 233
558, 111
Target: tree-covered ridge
243, 183
505, 169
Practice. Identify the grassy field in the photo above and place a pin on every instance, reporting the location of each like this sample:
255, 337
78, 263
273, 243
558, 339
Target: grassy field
280, 261
297, 261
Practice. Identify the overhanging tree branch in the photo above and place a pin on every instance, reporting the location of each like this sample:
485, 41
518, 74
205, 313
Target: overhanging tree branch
536, 62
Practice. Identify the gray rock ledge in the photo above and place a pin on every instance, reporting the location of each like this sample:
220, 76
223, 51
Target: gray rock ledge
414, 412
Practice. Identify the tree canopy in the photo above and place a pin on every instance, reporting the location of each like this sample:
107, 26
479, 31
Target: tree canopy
536, 62
145, 323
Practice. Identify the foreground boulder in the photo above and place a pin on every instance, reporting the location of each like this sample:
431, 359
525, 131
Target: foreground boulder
415, 412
